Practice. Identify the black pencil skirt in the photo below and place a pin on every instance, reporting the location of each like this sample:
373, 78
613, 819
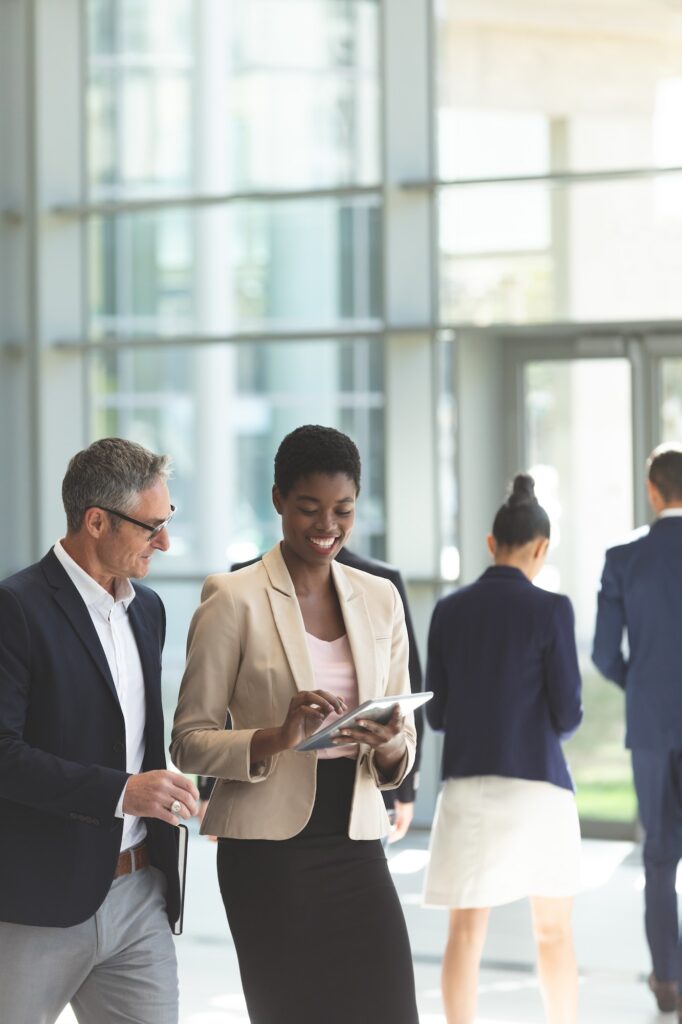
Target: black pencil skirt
316, 921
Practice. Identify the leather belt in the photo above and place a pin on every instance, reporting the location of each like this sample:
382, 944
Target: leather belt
132, 860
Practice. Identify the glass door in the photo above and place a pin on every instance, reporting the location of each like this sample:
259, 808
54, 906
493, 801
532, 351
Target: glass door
577, 443
671, 399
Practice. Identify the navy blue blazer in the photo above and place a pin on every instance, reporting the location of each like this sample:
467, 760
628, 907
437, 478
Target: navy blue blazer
407, 790
503, 666
62, 749
641, 595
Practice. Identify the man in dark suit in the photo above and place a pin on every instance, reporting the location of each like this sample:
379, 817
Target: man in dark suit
641, 593
88, 862
399, 802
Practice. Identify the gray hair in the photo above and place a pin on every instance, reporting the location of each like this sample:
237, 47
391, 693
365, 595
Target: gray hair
111, 473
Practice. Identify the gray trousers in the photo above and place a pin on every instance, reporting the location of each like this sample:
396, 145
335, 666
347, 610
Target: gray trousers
118, 967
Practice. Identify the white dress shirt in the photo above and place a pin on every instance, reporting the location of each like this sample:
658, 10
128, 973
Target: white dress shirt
668, 513
110, 618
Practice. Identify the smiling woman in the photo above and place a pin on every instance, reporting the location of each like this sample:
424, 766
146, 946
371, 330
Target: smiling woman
317, 480
282, 644
318, 515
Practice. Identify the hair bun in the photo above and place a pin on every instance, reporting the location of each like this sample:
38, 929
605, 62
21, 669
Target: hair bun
523, 490
522, 518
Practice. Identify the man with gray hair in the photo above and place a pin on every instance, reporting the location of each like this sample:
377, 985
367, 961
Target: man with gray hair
88, 858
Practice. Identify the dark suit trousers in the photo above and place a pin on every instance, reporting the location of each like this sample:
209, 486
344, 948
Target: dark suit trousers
658, 781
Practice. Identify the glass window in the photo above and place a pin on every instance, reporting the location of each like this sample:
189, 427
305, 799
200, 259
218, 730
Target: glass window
140, 96
488, 143
300, 94
671, 405
446, 435
539, 89
523, 253
587, 491
254, 94
186, 99
137, 28
221, 411
246, 266
528, 88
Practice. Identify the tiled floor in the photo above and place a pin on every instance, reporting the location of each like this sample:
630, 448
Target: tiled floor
608, 929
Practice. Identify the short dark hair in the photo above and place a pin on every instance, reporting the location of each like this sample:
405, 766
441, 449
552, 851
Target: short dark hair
522, 518
110, 473
665, 471
314, 449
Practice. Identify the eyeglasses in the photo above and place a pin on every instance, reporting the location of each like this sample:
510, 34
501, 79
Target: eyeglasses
154, 531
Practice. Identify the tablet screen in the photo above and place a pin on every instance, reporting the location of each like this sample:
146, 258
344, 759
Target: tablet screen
378, 709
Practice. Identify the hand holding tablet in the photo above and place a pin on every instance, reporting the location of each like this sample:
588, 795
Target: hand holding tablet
378, 709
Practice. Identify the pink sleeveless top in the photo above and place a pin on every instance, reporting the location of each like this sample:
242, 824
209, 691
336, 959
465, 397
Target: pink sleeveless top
334, 670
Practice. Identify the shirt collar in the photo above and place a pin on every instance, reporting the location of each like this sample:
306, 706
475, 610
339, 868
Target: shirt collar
93, 594
505, 572
668, 513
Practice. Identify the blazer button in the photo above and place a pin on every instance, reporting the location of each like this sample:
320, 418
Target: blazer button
118, 747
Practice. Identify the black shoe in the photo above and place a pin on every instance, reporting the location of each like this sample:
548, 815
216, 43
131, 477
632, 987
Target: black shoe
666, 995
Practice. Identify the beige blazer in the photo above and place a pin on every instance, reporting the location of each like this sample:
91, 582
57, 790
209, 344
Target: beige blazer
247, 653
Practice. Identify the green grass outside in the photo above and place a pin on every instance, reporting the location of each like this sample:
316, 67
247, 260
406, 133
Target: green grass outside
599, 763
608, 802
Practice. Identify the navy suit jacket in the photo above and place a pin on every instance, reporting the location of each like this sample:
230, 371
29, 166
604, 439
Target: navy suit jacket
641, 595
62, 749
503, 666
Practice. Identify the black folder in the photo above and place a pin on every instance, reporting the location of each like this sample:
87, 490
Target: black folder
182, 839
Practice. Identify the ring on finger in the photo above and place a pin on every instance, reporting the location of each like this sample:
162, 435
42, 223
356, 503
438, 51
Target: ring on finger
176, 807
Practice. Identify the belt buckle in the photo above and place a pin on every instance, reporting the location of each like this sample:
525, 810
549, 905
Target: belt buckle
137, 857
130, 860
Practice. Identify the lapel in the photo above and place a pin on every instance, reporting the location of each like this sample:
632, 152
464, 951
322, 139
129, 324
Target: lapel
144, 638
73, 606
291, 629
360, 631
288, 619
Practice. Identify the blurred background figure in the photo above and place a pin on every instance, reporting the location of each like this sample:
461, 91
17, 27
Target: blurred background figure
503, 666
638, 646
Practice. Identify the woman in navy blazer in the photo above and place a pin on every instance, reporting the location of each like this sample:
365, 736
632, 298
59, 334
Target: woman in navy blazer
503, 667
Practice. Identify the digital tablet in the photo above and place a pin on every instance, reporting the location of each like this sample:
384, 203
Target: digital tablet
378, 709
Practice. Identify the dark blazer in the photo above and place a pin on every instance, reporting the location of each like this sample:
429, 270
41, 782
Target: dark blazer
405, 793
503, 666
641, 593
62, 749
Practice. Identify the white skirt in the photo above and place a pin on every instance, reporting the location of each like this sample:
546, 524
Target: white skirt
495, 840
